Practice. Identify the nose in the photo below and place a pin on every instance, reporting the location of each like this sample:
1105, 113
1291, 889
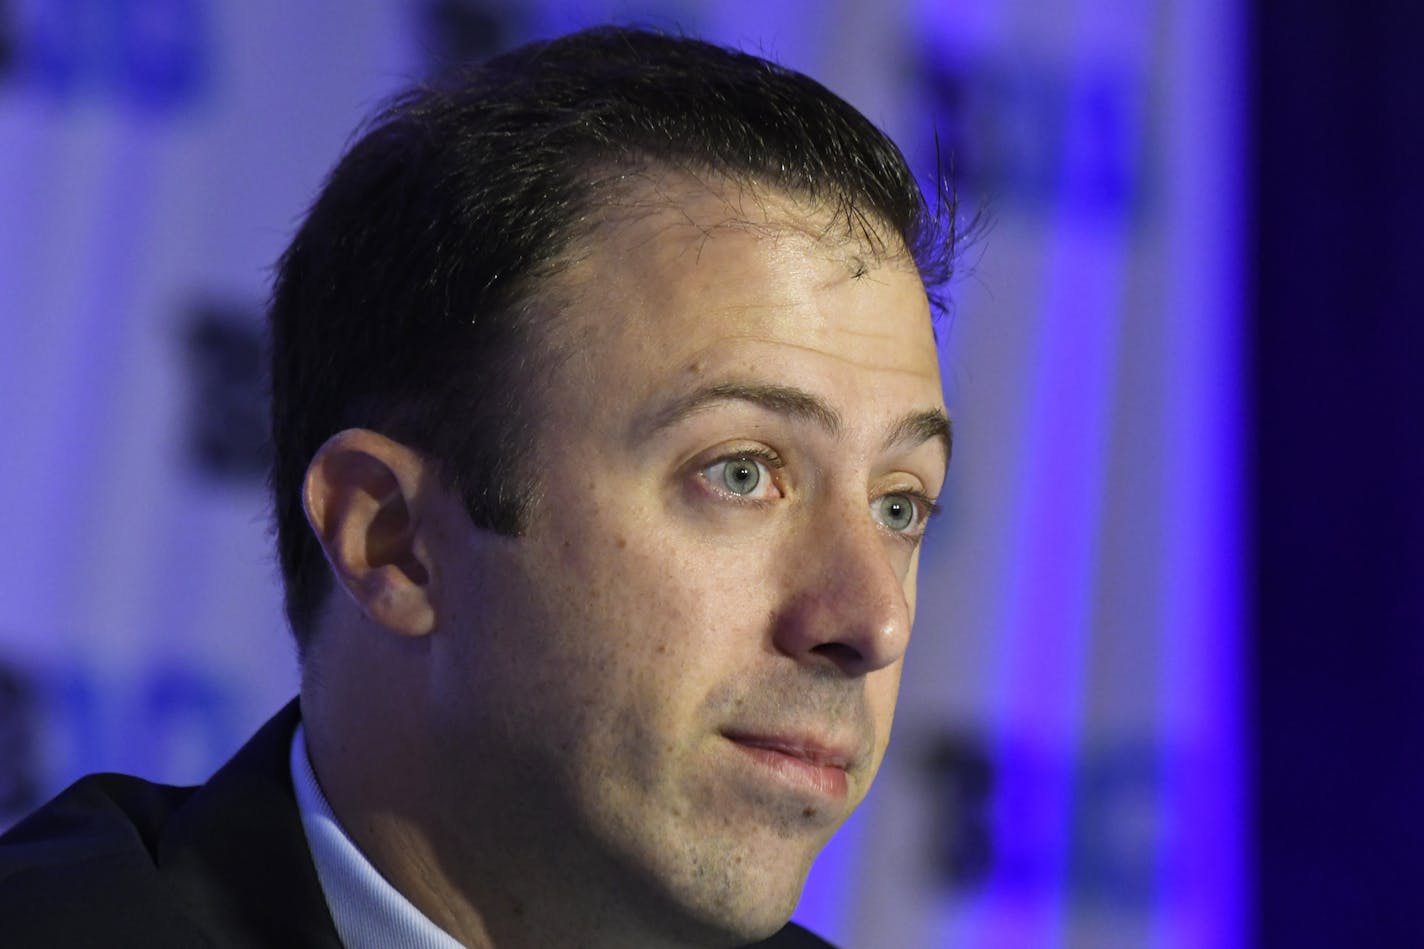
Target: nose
846, 610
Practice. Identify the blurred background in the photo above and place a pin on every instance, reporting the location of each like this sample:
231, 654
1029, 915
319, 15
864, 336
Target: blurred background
1165, 684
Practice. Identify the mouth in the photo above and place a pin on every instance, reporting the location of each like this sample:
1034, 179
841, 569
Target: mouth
804, 763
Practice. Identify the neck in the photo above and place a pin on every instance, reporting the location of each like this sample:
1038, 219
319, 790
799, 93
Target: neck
477, 870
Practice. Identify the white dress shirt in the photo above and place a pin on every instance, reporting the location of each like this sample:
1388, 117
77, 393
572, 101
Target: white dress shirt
369, 913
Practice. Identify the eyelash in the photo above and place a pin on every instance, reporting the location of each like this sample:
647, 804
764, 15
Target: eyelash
927, 507
766, 456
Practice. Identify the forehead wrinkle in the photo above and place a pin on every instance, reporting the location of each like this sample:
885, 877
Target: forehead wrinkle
783, 400
852, 360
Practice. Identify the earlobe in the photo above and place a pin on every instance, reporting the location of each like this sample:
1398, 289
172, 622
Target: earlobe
361, 496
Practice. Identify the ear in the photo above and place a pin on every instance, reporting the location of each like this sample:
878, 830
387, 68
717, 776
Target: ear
362, 494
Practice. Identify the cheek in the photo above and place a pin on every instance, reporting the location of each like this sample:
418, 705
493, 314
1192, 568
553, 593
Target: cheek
599, 625
659, 586
632, 641
882, 689
651, 603
631, 611
912, 580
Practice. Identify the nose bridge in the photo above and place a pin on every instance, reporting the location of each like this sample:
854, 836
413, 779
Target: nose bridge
848, 607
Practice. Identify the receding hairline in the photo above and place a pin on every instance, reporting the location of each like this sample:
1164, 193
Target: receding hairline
620, 193
621, 198
483, 233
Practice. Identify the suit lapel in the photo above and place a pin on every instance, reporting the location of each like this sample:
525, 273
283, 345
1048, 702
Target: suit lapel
237, 854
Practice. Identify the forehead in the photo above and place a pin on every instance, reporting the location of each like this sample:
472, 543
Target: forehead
680, 274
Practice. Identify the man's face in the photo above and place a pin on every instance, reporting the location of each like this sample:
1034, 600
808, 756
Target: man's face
680, 681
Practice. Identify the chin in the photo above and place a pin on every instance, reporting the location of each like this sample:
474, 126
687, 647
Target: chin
741, 898
737, 925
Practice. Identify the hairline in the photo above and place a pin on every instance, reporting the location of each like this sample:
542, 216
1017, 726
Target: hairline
862, 195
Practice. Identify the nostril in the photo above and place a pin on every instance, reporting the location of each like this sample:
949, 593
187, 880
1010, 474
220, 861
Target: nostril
839, 653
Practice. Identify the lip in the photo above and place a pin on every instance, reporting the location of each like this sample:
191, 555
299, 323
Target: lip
805, 763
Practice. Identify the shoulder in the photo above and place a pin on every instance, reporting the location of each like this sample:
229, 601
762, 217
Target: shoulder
84, 867
117, 861
100, 814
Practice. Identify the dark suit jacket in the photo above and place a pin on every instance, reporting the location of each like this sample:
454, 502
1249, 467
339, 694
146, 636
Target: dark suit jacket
116, 861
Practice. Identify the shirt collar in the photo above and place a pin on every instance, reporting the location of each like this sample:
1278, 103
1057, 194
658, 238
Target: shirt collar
369, 913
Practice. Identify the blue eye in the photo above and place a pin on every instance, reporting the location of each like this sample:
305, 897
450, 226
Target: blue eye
744, 476
897, 512
741, 476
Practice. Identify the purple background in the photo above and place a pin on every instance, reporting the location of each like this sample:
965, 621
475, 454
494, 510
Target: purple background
1071, 756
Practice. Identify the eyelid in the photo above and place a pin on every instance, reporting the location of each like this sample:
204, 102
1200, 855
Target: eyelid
933, 508
759, 454
926, 509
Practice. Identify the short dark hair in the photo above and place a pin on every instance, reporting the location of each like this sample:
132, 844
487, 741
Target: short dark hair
405, 302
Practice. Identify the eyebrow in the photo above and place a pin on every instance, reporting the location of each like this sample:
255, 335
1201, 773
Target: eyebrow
783, 400
914, 428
